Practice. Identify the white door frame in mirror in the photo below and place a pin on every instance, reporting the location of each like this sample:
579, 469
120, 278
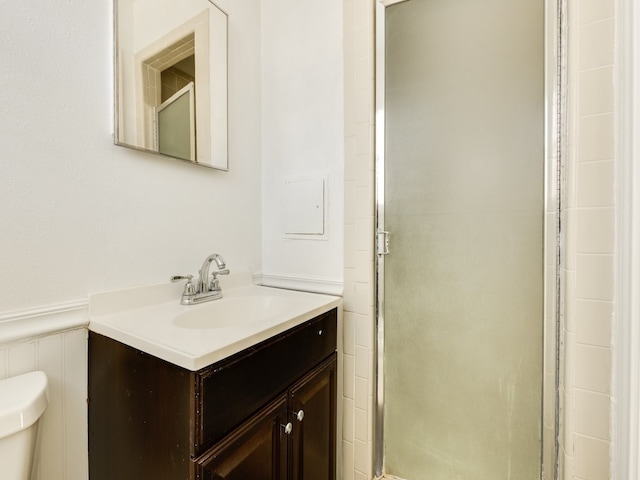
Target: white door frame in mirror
151, 36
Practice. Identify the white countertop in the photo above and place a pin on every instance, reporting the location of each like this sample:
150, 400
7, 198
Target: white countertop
152, 319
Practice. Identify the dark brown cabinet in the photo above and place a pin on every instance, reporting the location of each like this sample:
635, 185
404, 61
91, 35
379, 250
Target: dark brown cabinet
292, 438
268, 412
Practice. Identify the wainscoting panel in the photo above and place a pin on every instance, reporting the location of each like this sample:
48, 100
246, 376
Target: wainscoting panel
63, 428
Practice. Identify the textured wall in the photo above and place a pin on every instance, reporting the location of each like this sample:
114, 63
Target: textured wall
81, 215
302, 125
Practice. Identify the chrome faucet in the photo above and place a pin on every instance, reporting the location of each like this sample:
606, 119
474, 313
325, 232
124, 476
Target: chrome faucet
204, 289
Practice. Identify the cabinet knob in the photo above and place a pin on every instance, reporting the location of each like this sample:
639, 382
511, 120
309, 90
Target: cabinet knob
287, 428
299, 415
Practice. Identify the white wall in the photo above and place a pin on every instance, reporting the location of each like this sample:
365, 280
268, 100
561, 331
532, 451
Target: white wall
302, 132
80, 215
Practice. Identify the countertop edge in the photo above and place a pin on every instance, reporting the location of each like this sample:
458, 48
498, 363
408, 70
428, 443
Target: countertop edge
194, 363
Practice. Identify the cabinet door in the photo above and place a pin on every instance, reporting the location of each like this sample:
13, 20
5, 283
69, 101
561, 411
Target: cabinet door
256, 450
313, 439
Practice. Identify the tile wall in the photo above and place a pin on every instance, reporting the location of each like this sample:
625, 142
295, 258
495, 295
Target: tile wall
589, 213
358, 243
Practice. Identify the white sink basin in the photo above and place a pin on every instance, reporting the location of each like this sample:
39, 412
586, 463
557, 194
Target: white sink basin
231, 312
151, 319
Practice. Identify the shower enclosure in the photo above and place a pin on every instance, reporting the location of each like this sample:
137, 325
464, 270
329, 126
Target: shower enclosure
467, 193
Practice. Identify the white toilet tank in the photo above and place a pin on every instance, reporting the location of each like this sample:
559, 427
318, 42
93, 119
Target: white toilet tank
23, 400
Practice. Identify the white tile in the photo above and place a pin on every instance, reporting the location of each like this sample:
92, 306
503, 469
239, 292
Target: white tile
348, 467
363, 105
594, 320
349, 290
364, 73
363, 13
596, 184
570, 226
363, 356
363, 298
364, 201
569, 193
595, 95
350, 117
595, 230
592, 412
364, 235
594, 276
361, 392
348, 420
350, 158
570, 302
364, 266
348, 19
361, 424
568, 422
349, 333
349, 246
596, 44
364, 330
365, 178
595, 139
569, 362
593, 368
568, 467
363, 139
349, 376
591, 458
349, 203
362, 457
594, 10
363, 41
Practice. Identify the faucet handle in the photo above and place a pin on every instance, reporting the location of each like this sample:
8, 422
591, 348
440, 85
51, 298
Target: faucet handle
224, 271
189, 288
177, 278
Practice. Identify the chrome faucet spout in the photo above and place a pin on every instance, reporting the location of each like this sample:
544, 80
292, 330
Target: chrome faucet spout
203, 282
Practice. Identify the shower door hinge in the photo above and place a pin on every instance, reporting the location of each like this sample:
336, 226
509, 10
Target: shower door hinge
382, 242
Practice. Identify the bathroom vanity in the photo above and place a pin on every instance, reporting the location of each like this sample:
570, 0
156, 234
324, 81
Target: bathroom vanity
267, 411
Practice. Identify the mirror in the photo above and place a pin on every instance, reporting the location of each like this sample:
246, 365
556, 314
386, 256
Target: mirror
171, 79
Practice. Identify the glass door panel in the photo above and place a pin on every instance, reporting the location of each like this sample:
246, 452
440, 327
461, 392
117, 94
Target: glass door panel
464, 193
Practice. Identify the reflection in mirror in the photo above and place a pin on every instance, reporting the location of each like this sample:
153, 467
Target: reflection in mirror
171, 79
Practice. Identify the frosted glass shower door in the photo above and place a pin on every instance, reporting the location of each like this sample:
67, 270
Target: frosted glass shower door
464, 176
176, 131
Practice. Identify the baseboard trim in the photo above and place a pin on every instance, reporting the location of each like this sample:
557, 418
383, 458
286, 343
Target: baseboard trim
304, 284
23, 325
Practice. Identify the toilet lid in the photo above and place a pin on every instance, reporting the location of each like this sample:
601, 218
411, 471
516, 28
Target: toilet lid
23, 399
